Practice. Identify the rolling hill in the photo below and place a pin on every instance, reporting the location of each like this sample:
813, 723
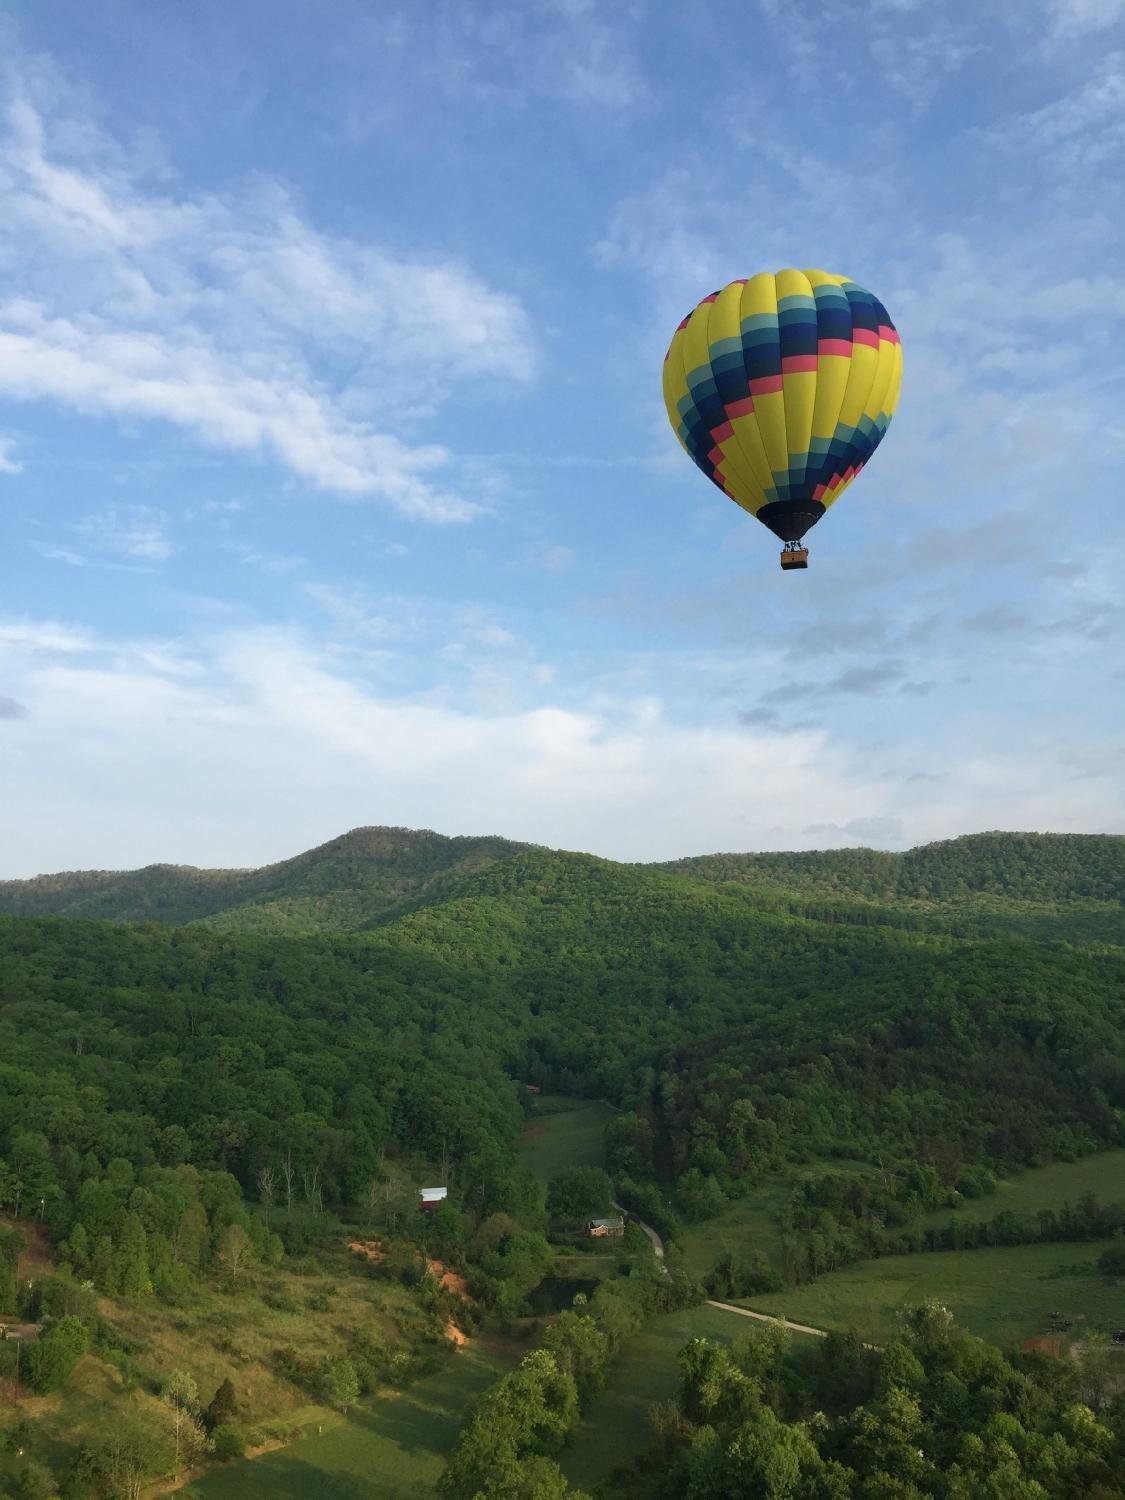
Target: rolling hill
362, 877
1068, 886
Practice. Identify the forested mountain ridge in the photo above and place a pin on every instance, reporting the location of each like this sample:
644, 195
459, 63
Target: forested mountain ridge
354, 880
372, 875
736, 1033
1022, 866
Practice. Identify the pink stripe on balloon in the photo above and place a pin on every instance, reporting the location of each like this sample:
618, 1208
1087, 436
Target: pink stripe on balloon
835, 346
744, 407
765, 385
866, 336
798, 364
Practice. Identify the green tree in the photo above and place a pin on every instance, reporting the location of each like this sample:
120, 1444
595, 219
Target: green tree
578, 1194
340, 1383
227, 1442
53, 1356
223, 1406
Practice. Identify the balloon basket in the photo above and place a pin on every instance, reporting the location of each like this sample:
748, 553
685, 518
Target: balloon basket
794, 557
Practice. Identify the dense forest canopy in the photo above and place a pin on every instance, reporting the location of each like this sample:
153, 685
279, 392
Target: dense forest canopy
374, 874
735, 1030
1025, 866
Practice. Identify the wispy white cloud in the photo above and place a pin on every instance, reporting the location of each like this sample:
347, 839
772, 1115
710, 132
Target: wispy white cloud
1080, 17
572, 53
1082, 129
260, 720
233, 318
33, 638
8, 463
129, 531
913, 47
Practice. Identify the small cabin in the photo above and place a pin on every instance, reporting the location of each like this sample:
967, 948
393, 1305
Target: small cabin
429, 1198
533, 1088
597, 1228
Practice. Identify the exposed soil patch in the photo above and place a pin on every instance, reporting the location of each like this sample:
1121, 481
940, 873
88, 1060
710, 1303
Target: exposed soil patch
452, 1281
1044, 1345
371, 1250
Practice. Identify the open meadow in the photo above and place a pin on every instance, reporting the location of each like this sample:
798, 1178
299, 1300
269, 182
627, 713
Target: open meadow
1046, 1187
564, 1133
1004, 1294
750, 1223
392, 1447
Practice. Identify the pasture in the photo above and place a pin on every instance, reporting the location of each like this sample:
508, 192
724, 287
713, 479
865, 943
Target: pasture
1047, 1187
564, 1133
393, 1447
750, 1223
1004, 1294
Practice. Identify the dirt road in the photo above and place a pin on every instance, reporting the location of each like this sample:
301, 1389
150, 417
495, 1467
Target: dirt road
767, 1318
653, 1238
819, 1333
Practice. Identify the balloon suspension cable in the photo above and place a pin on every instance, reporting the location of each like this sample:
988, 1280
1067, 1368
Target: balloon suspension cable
794, 555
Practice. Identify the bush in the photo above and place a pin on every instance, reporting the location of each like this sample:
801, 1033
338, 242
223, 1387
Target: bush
227, 1442
53, 1356
281, 1301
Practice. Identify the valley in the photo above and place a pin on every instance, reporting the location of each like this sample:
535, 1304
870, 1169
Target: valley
841, 1088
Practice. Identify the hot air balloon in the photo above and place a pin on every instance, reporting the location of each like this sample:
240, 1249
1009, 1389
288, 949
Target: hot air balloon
780, 387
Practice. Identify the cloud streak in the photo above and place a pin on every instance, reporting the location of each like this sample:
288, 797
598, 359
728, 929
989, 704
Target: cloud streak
232, 318
253, 721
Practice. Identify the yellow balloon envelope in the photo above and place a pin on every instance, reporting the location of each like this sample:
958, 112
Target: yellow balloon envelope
780, 388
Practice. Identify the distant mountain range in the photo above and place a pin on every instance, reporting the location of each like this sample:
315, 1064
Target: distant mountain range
371, 876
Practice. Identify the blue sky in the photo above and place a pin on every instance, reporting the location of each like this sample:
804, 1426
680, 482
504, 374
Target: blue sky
335, 480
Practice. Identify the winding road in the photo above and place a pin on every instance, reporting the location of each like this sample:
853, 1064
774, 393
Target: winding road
743, 1312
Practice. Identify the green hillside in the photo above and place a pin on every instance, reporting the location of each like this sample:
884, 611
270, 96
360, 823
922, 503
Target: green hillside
732, 1033
1051, 867
1069, 886
822, 1073
350, 882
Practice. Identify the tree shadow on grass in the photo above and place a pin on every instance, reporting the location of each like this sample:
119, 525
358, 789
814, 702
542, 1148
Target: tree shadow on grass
393, 1448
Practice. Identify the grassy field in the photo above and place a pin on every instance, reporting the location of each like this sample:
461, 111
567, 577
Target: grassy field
394, 1447
750, 1223
1003, 1294
615, 1427
1048, 1187
564, 1133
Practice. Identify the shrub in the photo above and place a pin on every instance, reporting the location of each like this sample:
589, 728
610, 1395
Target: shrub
227, 1442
